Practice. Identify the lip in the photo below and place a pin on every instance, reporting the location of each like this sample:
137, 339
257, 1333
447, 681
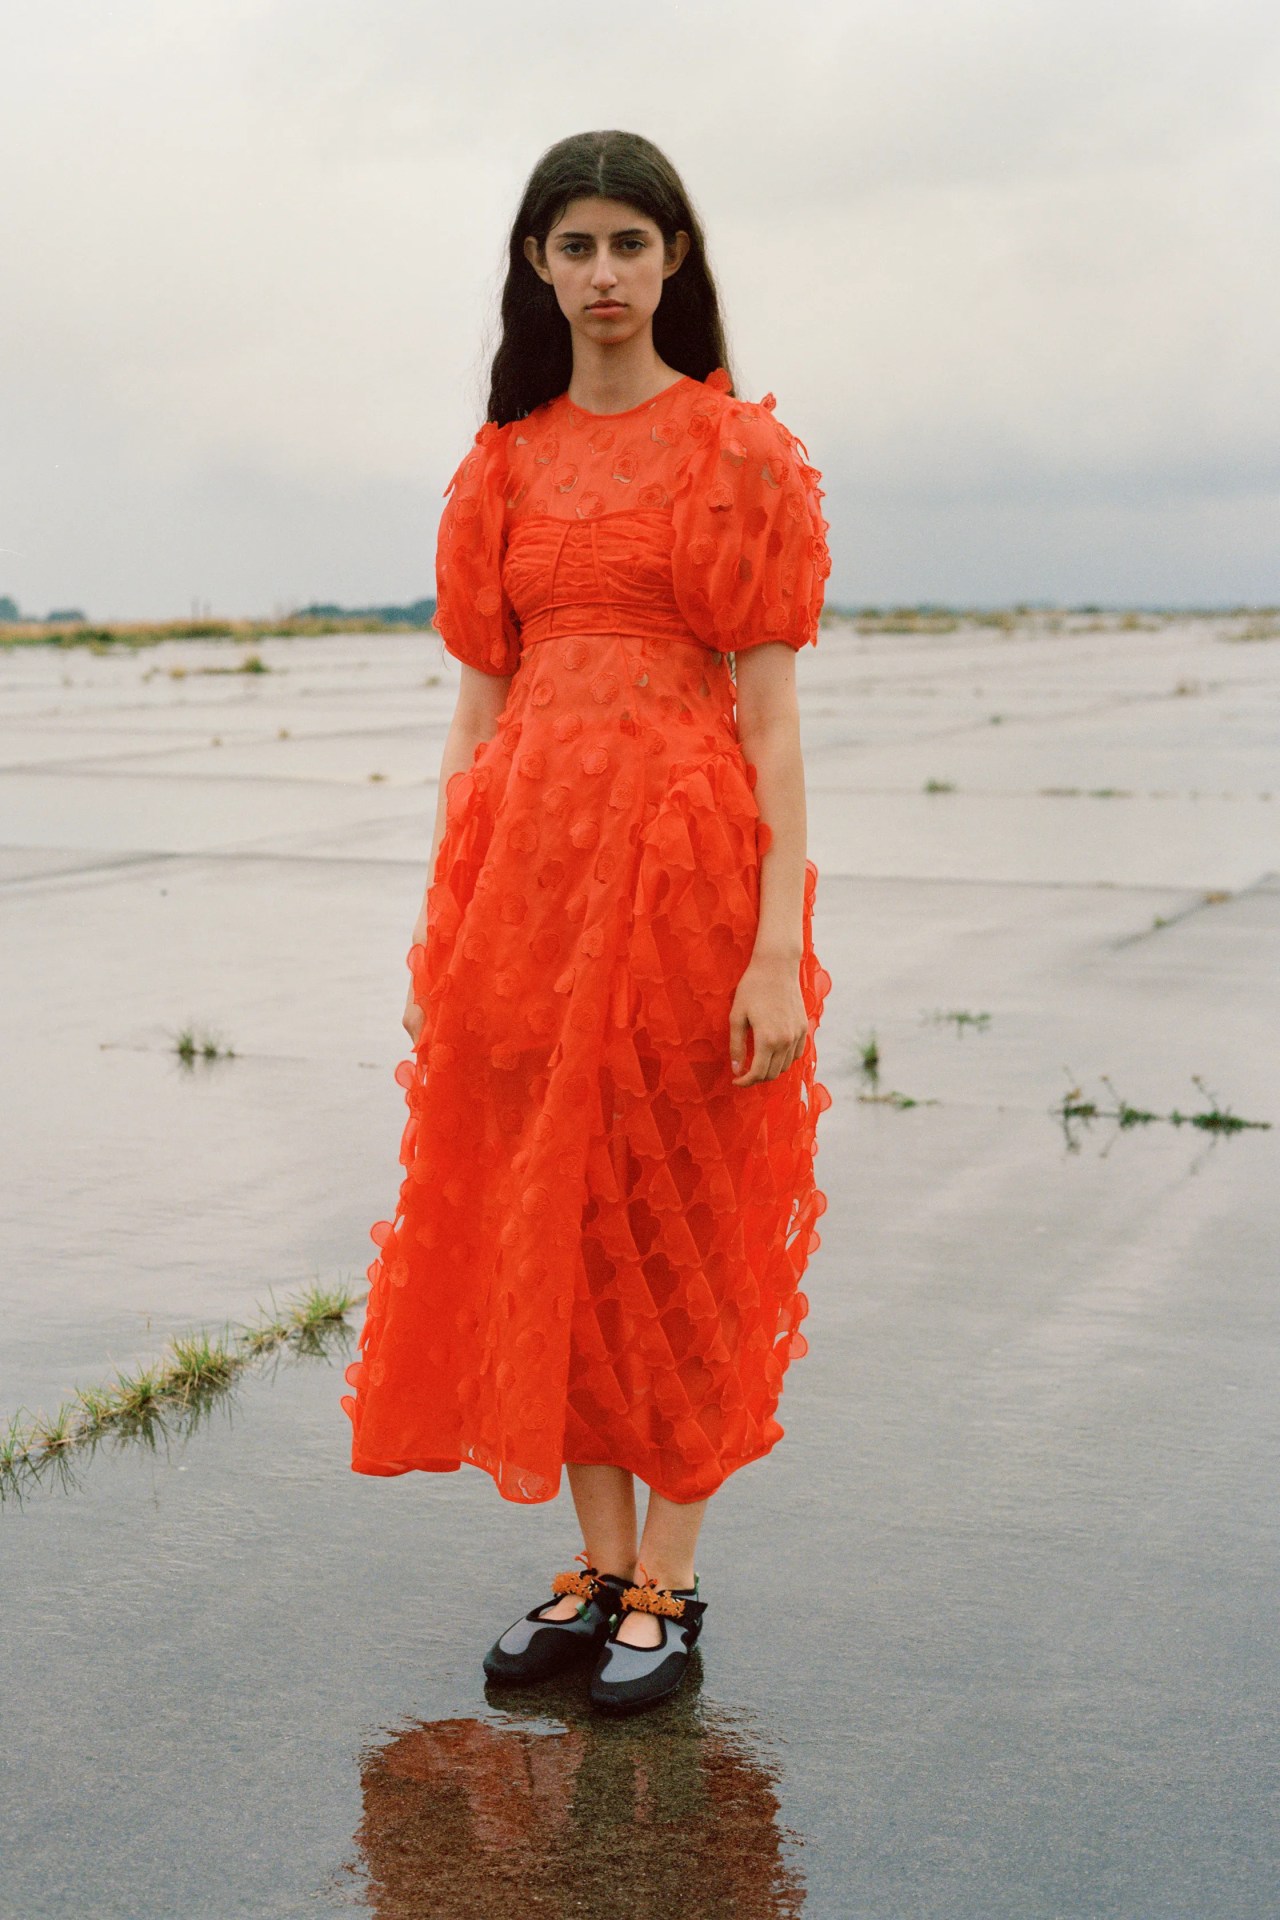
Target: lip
607, 306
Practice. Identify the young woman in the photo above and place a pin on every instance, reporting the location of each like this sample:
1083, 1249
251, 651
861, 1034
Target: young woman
609, 1197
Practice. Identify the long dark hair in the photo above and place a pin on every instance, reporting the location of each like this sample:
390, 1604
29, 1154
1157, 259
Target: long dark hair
534, 359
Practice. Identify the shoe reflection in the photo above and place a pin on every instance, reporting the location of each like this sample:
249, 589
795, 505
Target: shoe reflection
548, 1810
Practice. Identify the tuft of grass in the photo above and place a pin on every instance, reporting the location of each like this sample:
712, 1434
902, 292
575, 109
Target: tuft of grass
136, 1395
199, 1363
1073, 1106
960, 1019
54, 1433
191, 1043
1215, 1118
900, 1102
869, 1057
1073, 1109
939, 786
174, 1393
1126, 1115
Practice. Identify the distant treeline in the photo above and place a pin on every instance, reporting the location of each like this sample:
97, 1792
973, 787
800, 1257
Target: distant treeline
11, 615
418, 613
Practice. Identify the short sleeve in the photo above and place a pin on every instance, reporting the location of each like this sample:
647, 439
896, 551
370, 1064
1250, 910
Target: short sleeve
473, 615
750, 559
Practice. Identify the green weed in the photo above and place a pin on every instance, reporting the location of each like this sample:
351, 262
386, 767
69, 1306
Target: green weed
1074, 1109
1215, 1118
960, 1020
900, 1102
193, 1043
173, 1394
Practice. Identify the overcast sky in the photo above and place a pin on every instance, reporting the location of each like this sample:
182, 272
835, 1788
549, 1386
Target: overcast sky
1012, 270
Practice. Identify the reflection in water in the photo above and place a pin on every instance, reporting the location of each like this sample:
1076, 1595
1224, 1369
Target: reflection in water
547, 1809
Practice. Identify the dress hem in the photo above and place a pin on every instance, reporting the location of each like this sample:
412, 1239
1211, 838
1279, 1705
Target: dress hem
381, 1469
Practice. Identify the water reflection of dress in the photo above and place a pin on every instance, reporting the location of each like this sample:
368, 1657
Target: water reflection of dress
599, 1241
466, 1818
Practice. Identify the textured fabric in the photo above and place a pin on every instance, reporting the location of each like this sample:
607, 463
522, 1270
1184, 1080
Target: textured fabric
599, 1241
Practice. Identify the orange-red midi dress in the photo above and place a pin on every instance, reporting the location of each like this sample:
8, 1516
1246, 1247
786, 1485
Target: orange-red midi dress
599, 1241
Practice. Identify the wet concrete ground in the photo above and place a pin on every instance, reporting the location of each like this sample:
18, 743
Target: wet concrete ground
992, 1631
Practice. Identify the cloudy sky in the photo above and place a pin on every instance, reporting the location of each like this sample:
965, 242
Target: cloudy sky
1010, 266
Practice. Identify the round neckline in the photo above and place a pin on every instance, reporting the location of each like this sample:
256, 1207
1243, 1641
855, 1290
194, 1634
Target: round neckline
625, 412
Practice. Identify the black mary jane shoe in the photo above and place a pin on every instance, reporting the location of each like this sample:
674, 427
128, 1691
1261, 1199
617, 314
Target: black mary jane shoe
628, 1678
532, 1648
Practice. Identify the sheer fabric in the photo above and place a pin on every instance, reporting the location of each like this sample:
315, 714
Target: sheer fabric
599, 1241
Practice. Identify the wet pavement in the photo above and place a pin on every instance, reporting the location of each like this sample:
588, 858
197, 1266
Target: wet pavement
993, 1630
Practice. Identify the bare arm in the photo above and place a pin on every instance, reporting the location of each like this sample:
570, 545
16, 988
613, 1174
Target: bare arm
481, 698
768, 999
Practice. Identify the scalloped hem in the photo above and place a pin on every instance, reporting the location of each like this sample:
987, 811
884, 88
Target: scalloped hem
385, 1471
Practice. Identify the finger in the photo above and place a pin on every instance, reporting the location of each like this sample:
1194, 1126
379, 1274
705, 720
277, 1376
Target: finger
763, 1067
738, 1024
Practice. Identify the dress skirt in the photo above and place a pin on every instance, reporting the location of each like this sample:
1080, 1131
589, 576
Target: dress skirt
599, 1244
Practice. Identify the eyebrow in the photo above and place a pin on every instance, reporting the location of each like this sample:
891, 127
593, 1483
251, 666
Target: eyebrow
619, 233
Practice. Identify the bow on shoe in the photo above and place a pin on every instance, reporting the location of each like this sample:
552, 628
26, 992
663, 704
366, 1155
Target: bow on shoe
649, 1597
581, 1585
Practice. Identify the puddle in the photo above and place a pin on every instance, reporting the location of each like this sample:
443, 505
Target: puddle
987, 1631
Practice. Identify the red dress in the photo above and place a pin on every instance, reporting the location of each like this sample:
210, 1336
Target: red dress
599, 1241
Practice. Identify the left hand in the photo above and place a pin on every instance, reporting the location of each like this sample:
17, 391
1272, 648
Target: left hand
768, 1001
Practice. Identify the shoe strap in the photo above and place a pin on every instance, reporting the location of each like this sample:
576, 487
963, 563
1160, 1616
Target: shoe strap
649, 1597
581, 1583
587, 1584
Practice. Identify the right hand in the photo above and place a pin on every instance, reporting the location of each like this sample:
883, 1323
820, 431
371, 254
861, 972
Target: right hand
412, 1011
412, 1017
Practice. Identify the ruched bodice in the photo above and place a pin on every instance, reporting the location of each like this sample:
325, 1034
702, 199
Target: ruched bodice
599, 1241
607, 575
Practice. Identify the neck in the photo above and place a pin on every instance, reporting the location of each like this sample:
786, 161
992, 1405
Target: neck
609, 379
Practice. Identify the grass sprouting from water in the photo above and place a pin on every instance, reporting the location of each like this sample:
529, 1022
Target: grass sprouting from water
960, 1019
174, 1393
900, 1102
192, 1043
1075, 1111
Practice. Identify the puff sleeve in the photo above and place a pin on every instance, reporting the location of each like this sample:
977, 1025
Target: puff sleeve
473, 615
750, 558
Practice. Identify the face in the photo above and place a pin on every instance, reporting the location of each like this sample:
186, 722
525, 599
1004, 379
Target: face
607, 263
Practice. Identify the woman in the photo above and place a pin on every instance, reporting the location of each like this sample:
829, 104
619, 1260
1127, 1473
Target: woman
609, 1198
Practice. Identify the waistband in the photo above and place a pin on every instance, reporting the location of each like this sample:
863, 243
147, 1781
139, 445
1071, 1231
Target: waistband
605, 620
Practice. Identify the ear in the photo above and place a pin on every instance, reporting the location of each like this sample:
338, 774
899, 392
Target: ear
537, 258
676, 250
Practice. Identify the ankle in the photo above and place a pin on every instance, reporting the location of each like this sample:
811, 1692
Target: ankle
676, 1579
617, 1566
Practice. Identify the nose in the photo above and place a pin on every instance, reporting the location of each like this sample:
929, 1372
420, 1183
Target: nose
603, 275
